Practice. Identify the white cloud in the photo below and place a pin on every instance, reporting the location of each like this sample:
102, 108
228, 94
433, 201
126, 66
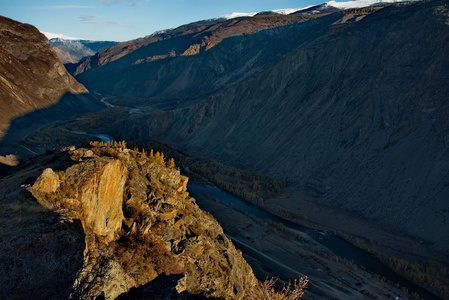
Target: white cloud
61, 7
95, 19
130, 2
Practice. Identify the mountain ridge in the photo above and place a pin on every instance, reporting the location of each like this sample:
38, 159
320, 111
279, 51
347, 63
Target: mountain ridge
206, 35
313, 9
177, 66
32, 76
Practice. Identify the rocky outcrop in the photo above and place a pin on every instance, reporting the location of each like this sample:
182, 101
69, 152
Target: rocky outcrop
47, 183
140, 222
31, 76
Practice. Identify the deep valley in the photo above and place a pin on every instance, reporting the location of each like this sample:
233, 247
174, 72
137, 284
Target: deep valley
319, 141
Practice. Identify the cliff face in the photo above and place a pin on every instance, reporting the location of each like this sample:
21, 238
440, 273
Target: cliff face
139, 222
31, 76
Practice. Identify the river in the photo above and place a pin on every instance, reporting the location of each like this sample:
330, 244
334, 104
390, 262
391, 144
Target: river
334, 243
104, 137
131, 110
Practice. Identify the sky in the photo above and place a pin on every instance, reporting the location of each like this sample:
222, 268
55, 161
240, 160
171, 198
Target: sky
121, 20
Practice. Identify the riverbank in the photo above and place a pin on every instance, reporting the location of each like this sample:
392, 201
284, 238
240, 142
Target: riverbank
271, 254
382, 242
428, 276
381, 237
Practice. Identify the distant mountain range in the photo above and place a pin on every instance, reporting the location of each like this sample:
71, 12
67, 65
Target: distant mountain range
311, 9
71, 50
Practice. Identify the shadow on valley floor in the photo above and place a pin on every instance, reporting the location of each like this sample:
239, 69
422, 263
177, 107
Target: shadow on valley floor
163, 287
5, 169
44, 251
69, 106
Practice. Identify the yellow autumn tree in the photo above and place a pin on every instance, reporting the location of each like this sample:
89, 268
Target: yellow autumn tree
122, 144
171, 163
159, 157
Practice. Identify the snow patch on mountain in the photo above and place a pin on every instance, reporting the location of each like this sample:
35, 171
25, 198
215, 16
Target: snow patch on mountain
282, 11
237, 15
359, 3
59, 36
288, 11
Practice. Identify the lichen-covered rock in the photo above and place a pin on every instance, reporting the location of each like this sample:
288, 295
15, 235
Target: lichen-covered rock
47, 183
102, 199
88, 154
140, 222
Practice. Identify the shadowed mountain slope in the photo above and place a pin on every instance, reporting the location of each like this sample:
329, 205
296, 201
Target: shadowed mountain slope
31, 76
181, 61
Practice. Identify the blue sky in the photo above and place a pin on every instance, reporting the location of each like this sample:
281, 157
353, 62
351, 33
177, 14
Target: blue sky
122, 20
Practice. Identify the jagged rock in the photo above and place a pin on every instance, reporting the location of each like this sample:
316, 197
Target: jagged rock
47, 183
68, 148
9, 160
88, 154
102, 199
139, 222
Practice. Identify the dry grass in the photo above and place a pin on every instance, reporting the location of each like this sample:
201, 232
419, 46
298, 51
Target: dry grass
289, 292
